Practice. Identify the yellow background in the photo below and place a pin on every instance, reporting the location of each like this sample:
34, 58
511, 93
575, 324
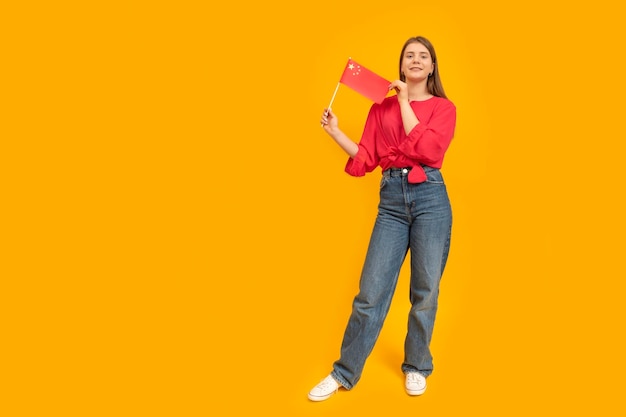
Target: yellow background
180, 238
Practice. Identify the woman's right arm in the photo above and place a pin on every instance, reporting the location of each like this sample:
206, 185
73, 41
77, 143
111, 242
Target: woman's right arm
331, 126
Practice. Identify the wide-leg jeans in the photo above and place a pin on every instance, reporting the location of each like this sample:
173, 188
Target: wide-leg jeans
415, 218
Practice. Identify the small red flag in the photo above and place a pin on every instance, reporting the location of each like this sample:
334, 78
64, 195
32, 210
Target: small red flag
364, 81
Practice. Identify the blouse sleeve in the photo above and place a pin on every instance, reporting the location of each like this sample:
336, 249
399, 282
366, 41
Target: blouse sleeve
428, 142
366, 159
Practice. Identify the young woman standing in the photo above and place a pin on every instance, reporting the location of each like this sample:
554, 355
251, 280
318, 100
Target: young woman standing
407, 136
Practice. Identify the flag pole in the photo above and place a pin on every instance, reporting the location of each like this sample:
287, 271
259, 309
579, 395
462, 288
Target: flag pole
334, 94
331, 101
333, 97
336, 88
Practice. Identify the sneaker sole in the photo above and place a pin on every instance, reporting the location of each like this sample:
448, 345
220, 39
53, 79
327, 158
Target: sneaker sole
325, 397
420, 392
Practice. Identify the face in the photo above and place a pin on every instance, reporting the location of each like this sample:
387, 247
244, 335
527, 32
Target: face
417, 62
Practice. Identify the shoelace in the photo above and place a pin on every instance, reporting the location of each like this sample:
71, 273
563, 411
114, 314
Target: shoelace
326, 384
415, 378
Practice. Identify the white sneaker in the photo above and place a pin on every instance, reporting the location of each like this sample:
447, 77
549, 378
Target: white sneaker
322, 391
415, 383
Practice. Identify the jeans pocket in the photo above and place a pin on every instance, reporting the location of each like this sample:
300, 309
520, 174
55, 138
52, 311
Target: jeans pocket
383, 182
433, 176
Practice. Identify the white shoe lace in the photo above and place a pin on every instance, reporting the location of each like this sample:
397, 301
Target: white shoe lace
328, 384
415, 378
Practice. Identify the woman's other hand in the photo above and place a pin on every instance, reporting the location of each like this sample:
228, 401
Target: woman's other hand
401, 90
329, 121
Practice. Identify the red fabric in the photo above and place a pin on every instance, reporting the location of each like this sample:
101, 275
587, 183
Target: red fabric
384, 143
365, 82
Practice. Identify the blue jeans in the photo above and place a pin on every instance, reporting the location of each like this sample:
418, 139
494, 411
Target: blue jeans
415, 217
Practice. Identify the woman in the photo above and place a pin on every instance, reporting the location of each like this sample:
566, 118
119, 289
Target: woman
407, 136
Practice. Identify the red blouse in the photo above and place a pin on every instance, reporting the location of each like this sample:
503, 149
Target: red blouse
384, 142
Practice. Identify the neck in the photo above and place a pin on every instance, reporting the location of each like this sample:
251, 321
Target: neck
418, 91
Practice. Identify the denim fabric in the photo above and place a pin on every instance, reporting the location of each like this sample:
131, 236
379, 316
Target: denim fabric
415, 218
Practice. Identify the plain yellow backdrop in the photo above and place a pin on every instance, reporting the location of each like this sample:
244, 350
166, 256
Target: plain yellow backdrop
180, 238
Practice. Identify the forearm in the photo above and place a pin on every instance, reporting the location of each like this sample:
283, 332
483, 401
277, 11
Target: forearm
409, 119
344, 142
428, 141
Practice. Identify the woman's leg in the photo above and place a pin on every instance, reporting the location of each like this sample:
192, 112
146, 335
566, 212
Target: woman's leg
429, 245
386, 252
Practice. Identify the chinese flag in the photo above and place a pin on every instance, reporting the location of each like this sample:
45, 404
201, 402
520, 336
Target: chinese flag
364, 81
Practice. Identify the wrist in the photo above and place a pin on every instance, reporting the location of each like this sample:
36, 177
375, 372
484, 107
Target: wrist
333, 132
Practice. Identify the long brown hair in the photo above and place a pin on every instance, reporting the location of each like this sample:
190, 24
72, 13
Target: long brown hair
433, 84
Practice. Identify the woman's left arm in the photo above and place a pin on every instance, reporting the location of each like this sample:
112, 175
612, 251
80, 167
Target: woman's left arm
428, 142
409, 119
